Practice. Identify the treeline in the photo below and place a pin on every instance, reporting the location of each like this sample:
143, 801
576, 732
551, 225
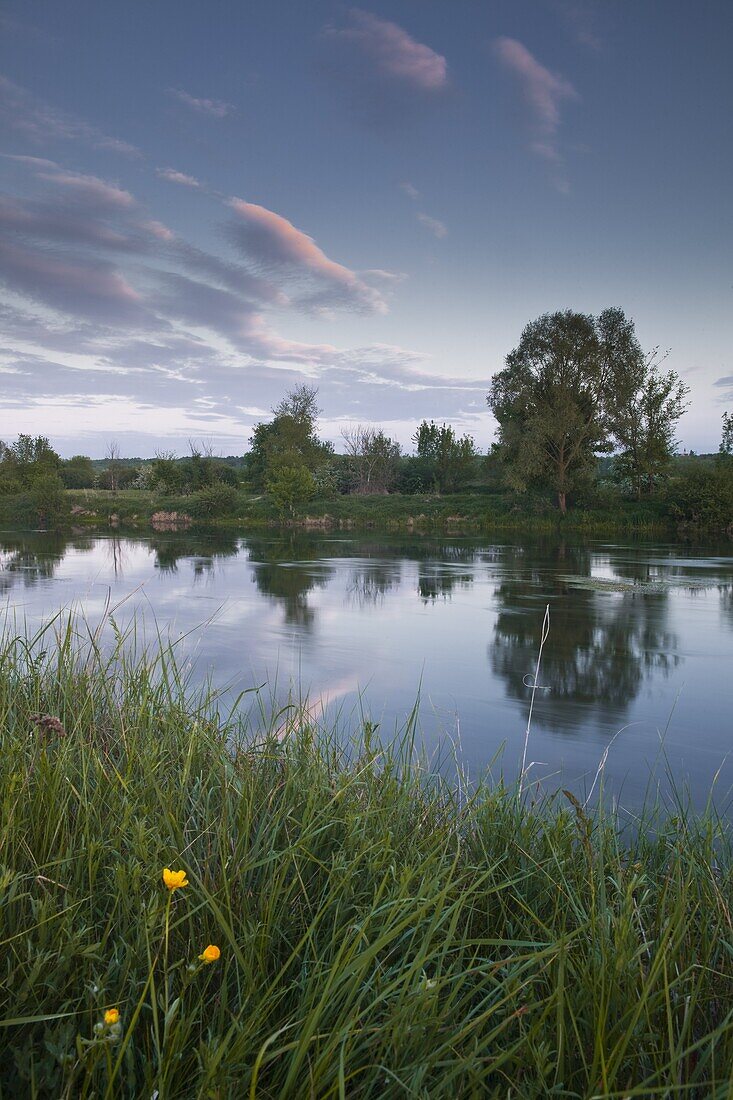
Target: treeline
585, 418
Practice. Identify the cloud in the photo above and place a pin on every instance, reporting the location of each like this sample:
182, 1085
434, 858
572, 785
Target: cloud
275, 245
53, 222
173, 176
411, 191
543, 93
215, 108
391, 51
436, 227
85, 288
91, 189
41, 123
388, 77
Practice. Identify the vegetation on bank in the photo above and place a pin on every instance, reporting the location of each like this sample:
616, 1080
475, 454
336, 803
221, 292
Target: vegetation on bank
334, 920
586, 429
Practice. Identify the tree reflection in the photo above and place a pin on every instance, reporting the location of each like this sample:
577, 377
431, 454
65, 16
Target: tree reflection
202, 551
602, 644
437, 579
26, 559
287, 570
370, 581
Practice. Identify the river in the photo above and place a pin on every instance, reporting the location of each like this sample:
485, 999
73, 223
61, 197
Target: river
638, 659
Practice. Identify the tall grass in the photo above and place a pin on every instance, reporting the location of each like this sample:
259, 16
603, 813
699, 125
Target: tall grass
382, 934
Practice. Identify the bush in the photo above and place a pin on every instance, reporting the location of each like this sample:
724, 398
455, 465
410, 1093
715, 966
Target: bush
49, 500
215, 500
702, 495
291, 485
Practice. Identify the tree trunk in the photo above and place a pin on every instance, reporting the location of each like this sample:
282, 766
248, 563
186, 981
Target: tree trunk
561, 500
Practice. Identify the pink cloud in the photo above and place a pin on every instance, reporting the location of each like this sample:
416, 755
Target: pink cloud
173, 176
158, 230
273, 242
543, 93
393, 53
83, 288
91, 188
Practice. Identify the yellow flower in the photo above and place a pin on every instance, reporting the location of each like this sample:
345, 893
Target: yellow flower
112, 1016
174, 879
210, 954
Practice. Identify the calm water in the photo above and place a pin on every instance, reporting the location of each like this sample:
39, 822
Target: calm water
641, 636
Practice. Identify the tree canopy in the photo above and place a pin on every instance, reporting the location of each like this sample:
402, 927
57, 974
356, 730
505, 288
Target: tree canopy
577, 386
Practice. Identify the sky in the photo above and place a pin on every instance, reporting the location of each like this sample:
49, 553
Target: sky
203, 205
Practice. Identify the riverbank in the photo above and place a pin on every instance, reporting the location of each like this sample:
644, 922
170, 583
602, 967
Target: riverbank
378, 931
459, 513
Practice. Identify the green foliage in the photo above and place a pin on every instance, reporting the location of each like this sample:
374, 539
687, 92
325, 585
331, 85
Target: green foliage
726, 442
288, 440
289, 486
449, 460
78, 472
553, 399
214, 500
382, 932
701, 495
172, 476
22, 463
644, 414
48, 499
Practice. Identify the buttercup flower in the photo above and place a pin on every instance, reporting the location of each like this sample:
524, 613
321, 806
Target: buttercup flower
210, 954
174, 879
112, 1016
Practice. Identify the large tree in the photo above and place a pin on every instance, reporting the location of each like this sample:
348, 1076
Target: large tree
289, 439
554, 397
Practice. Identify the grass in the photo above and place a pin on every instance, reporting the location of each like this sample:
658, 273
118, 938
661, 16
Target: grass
454, 513
383, 933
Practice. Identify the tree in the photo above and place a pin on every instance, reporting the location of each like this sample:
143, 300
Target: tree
77, 472
373, 458
289, 439
49, 502
726, 442
645, 413
553, 397
290, 485
450, 459
113, 465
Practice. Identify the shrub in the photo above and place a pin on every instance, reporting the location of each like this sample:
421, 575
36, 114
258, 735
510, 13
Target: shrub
214, 500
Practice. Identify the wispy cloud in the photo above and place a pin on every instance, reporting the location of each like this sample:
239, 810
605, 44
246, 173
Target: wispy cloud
543, 93
433, 225
40, 123
86, 288
386, 74
172, 175
92, 189
410, 190
215, 108
393, 53
274, 244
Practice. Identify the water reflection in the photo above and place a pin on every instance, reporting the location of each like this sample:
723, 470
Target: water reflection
602, 643
202, 552
631, 627
287, 570
34, 556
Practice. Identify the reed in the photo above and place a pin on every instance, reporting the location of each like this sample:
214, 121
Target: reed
382, 931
